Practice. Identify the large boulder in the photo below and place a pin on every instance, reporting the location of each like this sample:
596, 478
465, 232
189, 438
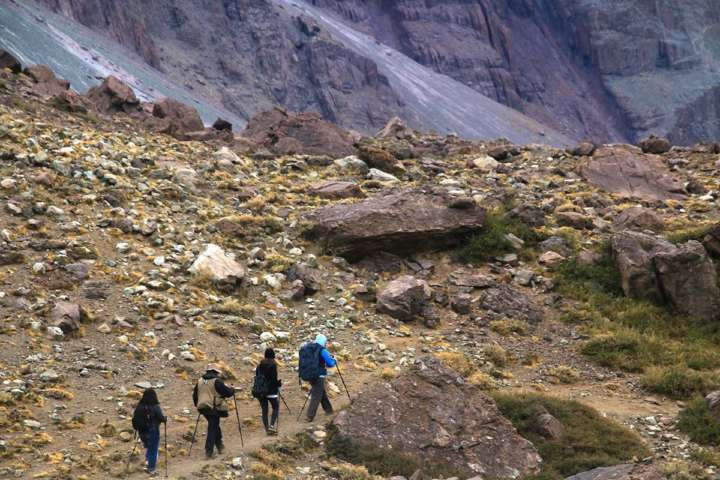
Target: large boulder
624, 170
113, 96
712, 400
403, 222
638, 218
430, 415
335, 190
8, 60
621, 472
216, 265
175, 117
654, 269
505, 301
46, 83
404, 298
656, 145
303, 133
68, 316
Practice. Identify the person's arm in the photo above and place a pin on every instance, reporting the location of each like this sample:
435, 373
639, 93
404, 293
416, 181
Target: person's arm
159, 413
327, 358
195, 395
223, 389
274, 377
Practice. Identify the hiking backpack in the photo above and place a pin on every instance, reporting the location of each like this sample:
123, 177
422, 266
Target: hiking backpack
309, 362
260, 388
141, 418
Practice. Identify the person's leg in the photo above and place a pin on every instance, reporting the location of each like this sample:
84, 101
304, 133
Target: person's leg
275, 413
219, 439
213, 425
325, 401
316, 392
153, 448
264, 409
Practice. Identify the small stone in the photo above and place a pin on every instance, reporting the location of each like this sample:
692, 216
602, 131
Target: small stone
237, 463
550, 258
49, 376
381, 176
8, 183
104, 328
122, 247
34, 424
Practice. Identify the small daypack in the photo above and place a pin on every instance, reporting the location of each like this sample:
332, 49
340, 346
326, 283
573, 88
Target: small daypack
309, 362
141, 418
260, 388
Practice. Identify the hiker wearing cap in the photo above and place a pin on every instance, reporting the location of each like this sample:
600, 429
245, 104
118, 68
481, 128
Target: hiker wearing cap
313, 364
146, 420
266, 388
210, 397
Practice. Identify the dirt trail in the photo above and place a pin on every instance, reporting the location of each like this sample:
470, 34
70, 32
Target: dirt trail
180, 464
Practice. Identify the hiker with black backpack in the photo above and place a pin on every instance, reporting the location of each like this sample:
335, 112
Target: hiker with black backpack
312, 367
210, 397
266, 388
146, 421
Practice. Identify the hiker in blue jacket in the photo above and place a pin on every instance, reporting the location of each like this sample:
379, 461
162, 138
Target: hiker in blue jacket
147, 419
318, 395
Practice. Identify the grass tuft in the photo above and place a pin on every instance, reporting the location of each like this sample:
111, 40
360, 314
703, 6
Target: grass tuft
698, 423
589, 440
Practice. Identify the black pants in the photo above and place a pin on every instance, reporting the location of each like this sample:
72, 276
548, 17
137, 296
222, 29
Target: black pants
214, 434
318, 396
264, 403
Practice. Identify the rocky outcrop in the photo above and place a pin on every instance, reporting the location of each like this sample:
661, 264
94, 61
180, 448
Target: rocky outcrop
621, 472
403, 222
624, 170
654, 269
46, 83
410, 416
176, 118
404, 298
7, 60
282, 132
113, 96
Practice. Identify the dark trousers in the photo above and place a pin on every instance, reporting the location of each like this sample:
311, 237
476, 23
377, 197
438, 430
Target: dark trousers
214, 434
264, 404
318, 396
151, 442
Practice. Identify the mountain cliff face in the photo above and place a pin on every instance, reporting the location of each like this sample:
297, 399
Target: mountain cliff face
607, 70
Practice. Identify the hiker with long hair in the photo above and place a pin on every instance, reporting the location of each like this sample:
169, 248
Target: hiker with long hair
146, 421
266, 388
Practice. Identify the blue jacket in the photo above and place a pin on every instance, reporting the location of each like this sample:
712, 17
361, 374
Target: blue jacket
326, 361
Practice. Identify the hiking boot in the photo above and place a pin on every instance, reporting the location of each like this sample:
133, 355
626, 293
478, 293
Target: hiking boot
221, 449
272, 430
209, 455
309, 420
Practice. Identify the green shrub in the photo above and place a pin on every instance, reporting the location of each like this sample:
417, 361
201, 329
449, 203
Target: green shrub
687, 234
626, 350
678, 381
698, 423
589, 440
492, 241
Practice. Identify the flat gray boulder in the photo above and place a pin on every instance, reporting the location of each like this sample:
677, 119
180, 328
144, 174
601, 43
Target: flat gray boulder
402, 222
621, 472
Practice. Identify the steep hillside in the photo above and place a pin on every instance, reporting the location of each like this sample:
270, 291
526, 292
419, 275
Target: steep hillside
566, 300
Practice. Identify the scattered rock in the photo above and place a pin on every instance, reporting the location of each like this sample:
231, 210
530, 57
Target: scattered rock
509, 302
67, 316
113, 96
575, 220
176, 117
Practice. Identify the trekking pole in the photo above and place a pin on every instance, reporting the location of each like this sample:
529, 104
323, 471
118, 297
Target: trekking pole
237, 414
166, 451
136, 437
303, 407
286, 405
337, 367
194, 432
